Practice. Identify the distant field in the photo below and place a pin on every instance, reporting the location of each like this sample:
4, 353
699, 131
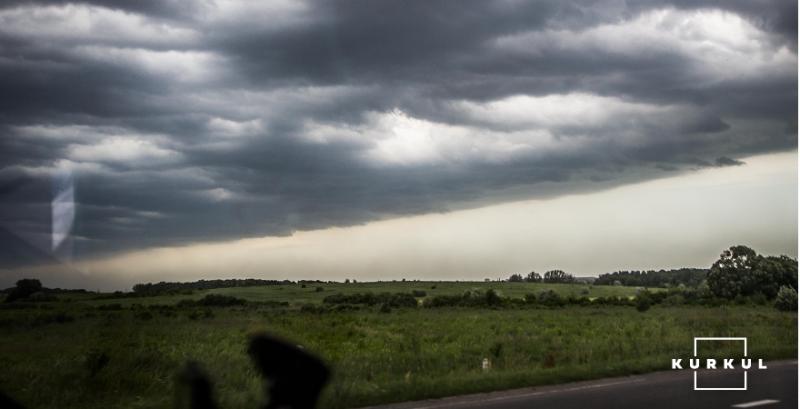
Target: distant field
48, 355
297, 295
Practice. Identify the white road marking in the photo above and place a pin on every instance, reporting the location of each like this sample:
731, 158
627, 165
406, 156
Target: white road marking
755, 403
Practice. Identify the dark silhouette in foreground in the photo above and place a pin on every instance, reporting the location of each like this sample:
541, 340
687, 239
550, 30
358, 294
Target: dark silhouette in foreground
194, 389
293, 377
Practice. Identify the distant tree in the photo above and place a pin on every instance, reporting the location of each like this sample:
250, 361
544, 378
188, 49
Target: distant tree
24, 289
533, 277
515, 278
347, 281
740, 271
691, 277
558, 276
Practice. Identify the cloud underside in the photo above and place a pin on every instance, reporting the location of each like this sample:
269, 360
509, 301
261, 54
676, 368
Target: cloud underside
181, 123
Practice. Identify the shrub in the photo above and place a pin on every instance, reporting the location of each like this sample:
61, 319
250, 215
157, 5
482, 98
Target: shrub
492, 298
551, 298
319, 289
674, 300
786, 299
24, 289
308, 307
418, 293
217, 300
396, 300
643, 303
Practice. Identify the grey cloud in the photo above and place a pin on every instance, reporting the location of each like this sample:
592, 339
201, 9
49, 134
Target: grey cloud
726, 161
344, 65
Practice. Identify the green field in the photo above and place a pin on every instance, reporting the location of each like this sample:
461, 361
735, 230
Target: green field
48, 352
297, 295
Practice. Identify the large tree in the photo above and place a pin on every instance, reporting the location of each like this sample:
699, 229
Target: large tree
742, 271
24, 289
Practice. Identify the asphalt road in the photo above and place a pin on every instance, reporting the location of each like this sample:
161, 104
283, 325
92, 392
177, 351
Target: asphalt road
771, 388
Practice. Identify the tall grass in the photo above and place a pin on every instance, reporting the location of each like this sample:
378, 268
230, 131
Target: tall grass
376, 357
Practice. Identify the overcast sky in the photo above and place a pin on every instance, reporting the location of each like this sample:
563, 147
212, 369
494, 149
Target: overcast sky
141, 128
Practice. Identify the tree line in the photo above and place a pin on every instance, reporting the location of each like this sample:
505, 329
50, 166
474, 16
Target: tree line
552, 276
691, 277
164, 287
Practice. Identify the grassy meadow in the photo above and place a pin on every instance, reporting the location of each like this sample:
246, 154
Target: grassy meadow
50, 352
298, 294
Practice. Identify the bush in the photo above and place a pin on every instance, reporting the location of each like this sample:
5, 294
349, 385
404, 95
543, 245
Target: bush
418, 293
214, 300
674, 300
492, 298
470, 298
396, 300
551, 298
786, 299
24, 289
643, 303
319, 289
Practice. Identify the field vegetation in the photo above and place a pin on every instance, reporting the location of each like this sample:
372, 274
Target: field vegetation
385, 341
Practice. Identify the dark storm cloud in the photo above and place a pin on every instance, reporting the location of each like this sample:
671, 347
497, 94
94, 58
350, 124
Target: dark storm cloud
183, 123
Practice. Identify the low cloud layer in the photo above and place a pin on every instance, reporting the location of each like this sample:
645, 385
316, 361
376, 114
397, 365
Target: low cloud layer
180, 122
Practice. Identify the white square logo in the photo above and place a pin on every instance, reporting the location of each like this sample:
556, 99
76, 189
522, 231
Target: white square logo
733, 339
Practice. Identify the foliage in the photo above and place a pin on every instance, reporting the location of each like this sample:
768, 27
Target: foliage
552, 276
470, 298
175, 288
377, 358
533, 277
215, 300
557, 276
651, 278
643, 301
550, 298
740, 271
515, 278
24, 289
395, 300
786, 299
